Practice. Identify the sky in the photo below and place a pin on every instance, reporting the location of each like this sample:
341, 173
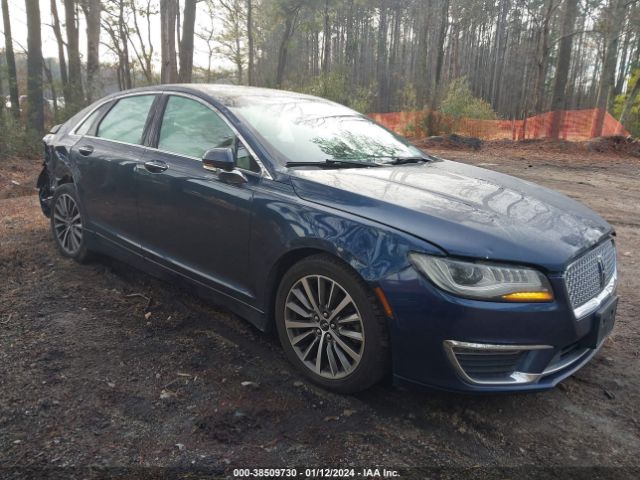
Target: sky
50, 48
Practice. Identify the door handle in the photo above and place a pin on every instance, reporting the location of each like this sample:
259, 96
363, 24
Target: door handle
156, 166
85, 150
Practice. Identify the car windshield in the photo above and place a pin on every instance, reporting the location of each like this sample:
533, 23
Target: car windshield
299, 129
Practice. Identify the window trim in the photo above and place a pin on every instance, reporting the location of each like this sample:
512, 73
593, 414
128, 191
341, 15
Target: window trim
264, 173
157, 119
86, 118
147, 123
105, 102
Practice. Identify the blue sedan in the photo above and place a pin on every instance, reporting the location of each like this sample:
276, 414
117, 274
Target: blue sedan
365, 254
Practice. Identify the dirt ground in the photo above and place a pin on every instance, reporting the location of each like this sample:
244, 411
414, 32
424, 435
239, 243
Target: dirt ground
104, 366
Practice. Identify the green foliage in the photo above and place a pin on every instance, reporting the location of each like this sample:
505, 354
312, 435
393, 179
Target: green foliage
15, 140
64, 113
632, 123
409, 97
413, 130
336, 86
460, 102
437, 124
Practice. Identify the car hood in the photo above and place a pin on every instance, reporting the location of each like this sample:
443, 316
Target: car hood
464, 210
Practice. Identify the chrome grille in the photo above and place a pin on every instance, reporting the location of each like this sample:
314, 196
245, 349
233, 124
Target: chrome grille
583, 277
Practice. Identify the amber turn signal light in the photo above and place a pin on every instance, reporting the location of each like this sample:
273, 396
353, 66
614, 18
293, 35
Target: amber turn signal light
384, 302
529, 297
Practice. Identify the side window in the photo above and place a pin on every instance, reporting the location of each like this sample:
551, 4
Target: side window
126, 120
191, 128
88, 122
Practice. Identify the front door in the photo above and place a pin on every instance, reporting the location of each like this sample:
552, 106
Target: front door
191, 221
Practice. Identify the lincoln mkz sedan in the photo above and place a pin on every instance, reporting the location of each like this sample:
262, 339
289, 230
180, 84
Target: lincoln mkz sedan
365, 254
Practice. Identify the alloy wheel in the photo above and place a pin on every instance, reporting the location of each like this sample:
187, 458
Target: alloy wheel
67, 224
324, 326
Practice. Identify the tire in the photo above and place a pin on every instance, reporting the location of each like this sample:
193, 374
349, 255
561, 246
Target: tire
67, 223
348, 325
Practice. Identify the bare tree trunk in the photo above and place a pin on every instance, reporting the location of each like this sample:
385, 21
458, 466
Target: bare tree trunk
326, 56
607, 74
73, 54
499, 51
178, 23
35, 105
57, 31
239, 59
435, 89
381, 59
145, 55
558, 102
622, 70
626, 108
52, 86
11, 61
250, 66
577, 71
124, 40
210, 56
186, 44
542, 56
92, 15
169, 67
442, 33
2, 100
283, 51
422, 67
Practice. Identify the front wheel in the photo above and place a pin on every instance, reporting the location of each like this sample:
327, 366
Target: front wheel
67, 223
330, 325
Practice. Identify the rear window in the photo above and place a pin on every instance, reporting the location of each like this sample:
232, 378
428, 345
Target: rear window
126, 120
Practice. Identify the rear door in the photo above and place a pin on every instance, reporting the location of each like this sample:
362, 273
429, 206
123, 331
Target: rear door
107, 157
191, 221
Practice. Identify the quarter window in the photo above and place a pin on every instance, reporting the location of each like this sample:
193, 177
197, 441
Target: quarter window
89, 121
126, 120
191, 128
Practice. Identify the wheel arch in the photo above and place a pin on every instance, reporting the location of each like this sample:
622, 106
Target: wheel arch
288, 260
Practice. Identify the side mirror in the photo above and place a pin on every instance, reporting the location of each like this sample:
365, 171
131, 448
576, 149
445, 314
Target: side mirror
219, 158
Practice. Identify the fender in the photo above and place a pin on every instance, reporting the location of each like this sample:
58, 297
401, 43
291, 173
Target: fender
303, 228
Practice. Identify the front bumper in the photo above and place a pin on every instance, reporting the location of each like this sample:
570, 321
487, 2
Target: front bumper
452, 343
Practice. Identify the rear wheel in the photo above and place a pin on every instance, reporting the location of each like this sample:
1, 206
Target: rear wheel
330, 325
67, 223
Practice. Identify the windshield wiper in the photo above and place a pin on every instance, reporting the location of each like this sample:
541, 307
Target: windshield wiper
405, 160
346, 163
335, 163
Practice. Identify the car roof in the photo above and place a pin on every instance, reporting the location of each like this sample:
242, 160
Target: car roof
228, 95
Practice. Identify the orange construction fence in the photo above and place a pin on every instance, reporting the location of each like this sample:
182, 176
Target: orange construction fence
575, 125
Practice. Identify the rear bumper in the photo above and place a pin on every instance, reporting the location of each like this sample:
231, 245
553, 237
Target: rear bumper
450, 343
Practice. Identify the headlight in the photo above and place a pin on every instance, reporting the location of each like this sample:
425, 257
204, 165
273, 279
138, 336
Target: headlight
484, 281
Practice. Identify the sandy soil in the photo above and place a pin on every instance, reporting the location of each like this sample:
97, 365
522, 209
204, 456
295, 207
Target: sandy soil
102, 365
